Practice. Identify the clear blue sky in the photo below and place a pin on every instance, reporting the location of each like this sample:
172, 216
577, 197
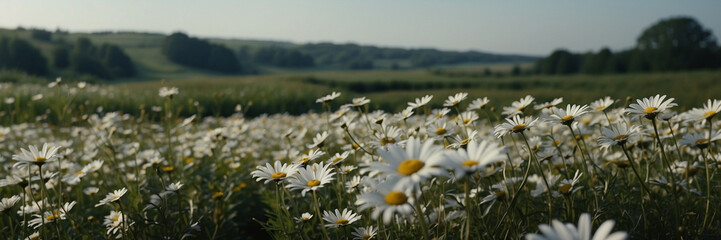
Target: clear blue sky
528, 27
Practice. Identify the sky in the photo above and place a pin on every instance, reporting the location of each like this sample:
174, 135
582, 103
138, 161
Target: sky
514, 26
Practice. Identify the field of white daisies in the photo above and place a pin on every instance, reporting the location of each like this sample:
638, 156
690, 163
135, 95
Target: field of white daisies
609, 169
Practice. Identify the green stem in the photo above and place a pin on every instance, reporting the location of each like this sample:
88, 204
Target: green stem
320, 217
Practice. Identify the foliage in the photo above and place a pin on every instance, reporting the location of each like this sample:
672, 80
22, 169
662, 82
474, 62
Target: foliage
19, 54
194, 52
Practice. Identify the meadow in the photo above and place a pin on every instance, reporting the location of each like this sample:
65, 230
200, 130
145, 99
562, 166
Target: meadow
302, 155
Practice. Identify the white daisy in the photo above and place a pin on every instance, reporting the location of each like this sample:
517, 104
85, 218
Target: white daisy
328, 98
277, 172
339, 219
112, 197
560, 231
618, 134
467, 118
167, 92
601, 104
7, 203
114, 222
311, 178
174, 187
548, 104
517, 107
319, 139
479, 103
455, 99
515, 124
650, 107
357, 102
310, 156
48, 153
364, 233
568, 186
700, 140
709, 110
304, 217
411, 165
338, 158
420, 102
478, 155
569, 115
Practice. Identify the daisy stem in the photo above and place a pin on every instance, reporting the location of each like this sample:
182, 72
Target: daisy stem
320, 217
633, 167
515, 195
124, 224
543, 176
670, 172
356, 142
708, 192
421, 217
468, 209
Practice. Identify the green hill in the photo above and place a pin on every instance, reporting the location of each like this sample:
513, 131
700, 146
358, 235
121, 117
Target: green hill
145, 51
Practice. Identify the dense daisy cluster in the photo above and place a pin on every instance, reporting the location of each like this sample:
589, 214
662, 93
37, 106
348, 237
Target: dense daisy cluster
461, 171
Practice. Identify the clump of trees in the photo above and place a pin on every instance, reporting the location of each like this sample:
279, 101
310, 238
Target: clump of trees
673, 44
198, 53
282, 57
106, 61
19, 54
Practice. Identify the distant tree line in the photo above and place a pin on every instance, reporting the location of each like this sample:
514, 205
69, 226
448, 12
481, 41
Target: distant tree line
19, 54
106, 61
279, 57
673, 44
198, 53
357, 56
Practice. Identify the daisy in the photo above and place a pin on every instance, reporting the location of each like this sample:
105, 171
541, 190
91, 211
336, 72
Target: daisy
412, 165
304, 217
112, 197
48, 153
602, 104
478, 155
548, 104
709, 110
468, 118
167, 92
700, 140
420, 102
386, 200
319, 139
312, 155
478, 104
568, 186
364, 233
406, 113
650, 107
618, 135
328, 98
357, 102
278, 172
7, 203
311, 178
34, 236
516, 124
454, 100
174, 187
438, 130
569, 115
114, 222
338, 158
568, 231
339, 219
517, 107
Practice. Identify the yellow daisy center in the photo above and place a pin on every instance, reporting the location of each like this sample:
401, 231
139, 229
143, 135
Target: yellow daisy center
565, 188
519, 127
500, 195
115, 219
567, 118
441, 131
466, 121
410, 166
520, 109
620, 137
396, 198
366, 236
79, 172
313, 183
342, 221
278, 175
40, 159
305, 218
702, 141
556, 143
469, 163
709, 114
649, 110
599, 108
465, 141
115, 197
387, 140
217, 195
304, 160
168, 168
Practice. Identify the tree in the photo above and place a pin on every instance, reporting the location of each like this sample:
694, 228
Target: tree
61, 57
21, 55
678, 43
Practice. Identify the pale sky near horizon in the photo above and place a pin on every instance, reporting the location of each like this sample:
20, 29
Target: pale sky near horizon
520, 26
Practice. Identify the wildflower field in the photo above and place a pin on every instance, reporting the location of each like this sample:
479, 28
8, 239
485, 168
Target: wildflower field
85, 161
